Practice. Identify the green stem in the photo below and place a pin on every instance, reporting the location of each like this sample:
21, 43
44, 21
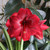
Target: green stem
2, 47
36, 48
22, 44
8, 40
18, 45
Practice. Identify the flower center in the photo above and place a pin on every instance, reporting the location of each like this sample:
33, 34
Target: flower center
26, 22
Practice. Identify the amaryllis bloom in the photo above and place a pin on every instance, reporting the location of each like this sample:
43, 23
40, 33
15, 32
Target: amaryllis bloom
23, 24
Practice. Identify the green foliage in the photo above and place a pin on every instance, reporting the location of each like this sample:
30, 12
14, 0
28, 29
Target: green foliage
36, 47
37, 2
34, 11
2, 46
13, 6
29, 0
8, 41
47, 0
44, 46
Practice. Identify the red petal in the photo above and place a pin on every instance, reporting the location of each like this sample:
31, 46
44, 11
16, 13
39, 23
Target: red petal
16, 24
18, 38
28, 11
33, 31
38, 32
26, 34
14, 14
14, 32
39, 36
36, 29
8, 23
17, 32
10, 32
13, 17
44, 27
21, 14
35, 20
42, 21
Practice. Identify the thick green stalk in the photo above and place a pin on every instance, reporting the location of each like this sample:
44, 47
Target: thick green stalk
36, 48
2, 46
22, 44
8, 40
18, 45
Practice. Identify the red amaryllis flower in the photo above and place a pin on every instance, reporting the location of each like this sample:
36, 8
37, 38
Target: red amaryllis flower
23, 24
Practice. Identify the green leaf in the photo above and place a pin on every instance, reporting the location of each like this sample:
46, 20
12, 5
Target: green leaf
0, 27
41, 42
16, 48
44, 46
22, 42
8, 41
46, 0
2, 46
13, 6
48, 30
37, 2
45, 33
36, 47
34, 11
18, 45
29, 0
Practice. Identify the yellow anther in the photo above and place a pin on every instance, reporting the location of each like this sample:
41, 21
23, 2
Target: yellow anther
24, 32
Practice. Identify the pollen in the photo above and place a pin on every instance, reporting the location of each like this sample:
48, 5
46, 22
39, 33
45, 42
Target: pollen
24, 32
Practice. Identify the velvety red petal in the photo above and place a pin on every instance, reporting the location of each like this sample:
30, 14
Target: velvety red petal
44, 27
8, 23
28, 11
25, 37
37, 32
14, 32
35, 20
10, 32
33, 31
18, 38
16, 24
39, 35
13, 16
21, 13
20, 17
42, 21
26, 34
17, 32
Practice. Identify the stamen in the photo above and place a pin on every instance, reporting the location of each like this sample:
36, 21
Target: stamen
24, 32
